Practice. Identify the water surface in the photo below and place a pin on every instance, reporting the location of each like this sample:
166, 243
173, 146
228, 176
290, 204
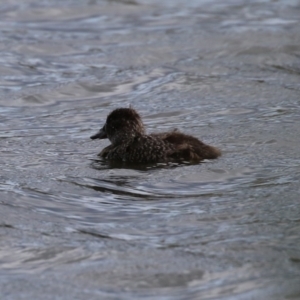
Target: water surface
76, 227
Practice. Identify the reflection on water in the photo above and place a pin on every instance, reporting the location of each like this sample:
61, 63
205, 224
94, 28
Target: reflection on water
227, 73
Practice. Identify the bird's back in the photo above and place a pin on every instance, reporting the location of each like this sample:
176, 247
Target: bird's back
142, 149
161, 147
187, 147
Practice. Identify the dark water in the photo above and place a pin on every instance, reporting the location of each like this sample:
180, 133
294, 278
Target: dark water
74, 227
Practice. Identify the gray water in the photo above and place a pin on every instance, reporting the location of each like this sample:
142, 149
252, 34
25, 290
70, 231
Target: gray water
75, 227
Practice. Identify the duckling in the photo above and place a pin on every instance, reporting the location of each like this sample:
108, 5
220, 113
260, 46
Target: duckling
129, 142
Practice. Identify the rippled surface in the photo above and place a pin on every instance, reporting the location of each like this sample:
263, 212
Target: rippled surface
75, 227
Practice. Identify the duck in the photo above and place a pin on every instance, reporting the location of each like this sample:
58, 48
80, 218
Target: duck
130, 143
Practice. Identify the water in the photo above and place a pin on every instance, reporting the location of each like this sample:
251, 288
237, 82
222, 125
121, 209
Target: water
75, 227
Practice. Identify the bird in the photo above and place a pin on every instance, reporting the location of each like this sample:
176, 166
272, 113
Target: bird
130, 143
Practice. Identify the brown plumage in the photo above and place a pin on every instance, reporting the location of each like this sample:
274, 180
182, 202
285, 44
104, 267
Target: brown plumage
129, 142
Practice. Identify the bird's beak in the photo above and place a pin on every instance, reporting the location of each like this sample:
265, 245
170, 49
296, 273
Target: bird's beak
101, 134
